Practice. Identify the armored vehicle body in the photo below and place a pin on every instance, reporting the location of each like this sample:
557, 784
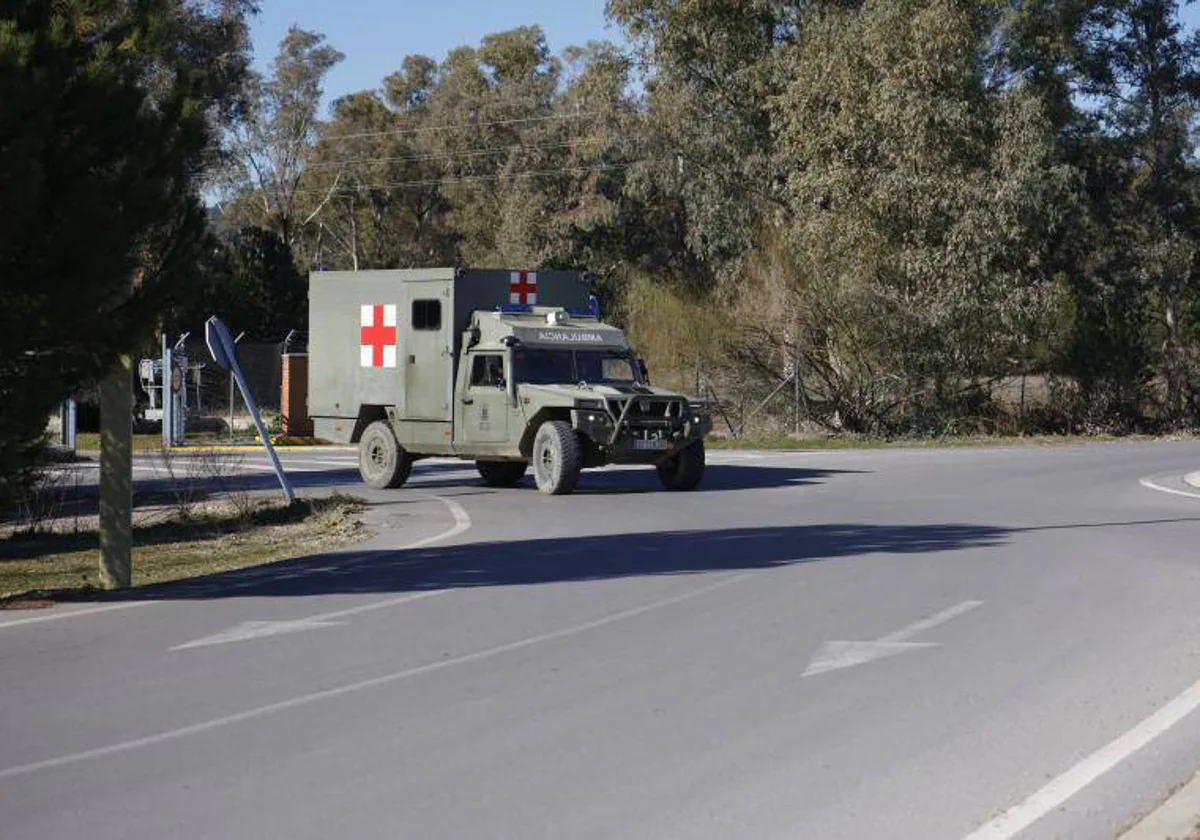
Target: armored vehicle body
506, 368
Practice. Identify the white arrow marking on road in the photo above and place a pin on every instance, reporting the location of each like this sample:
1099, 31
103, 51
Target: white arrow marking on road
363, 685
256, 630
836, 655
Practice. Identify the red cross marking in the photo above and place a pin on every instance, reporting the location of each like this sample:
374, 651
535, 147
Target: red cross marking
522, 288
377, 336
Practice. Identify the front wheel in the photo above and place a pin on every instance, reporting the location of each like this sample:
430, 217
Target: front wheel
501, 473
683, 470
557, 458
382, 461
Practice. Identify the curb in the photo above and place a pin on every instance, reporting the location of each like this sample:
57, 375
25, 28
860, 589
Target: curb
257, 447
1175, 819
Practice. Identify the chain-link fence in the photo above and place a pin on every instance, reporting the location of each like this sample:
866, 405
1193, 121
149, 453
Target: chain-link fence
213, 406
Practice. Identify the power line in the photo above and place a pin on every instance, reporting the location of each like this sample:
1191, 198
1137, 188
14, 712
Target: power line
397, 132
465, 179
474, 153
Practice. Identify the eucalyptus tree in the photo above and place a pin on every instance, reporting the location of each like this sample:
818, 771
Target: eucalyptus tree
269, 145
921, 203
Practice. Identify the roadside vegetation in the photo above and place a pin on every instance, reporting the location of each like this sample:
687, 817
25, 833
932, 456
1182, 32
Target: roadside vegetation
50, 558
891, 218
200, 514
885, 218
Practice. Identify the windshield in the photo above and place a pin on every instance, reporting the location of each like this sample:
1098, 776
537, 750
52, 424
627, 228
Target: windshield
543, 367
547, 367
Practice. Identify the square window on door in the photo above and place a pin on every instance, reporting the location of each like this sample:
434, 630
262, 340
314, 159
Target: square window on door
427, 314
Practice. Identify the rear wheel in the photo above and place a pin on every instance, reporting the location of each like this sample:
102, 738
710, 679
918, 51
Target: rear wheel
683, 470
382, 461
557, 458
501, 473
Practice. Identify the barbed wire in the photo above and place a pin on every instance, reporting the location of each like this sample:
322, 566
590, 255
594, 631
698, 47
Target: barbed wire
472, 153
398, 132
466, 179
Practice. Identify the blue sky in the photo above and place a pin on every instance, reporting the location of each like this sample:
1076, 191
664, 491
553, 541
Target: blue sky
376, 35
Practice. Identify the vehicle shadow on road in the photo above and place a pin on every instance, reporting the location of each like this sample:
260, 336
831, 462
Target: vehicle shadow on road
603, 557
633, 480
160, 492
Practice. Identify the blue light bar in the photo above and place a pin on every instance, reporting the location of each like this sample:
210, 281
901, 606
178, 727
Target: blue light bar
514, 307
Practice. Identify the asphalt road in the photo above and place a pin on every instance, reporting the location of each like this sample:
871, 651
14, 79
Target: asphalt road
900, 644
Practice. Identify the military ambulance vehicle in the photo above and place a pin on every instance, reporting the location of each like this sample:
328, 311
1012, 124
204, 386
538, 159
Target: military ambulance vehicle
506, 368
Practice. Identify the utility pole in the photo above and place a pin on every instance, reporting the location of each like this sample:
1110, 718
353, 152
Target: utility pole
168, 399
796, 394
116, 476
232, 383
799, 400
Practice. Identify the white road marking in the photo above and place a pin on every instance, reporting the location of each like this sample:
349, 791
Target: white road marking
350, 688
258, 629
928, 623
462, 522
833, 656
248, 630
346, 464
73, 613
1153, 485
96, 468
1062, 788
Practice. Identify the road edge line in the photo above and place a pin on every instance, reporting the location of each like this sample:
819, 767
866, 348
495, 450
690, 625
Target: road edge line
72, 613
462, 523
1058, 790
1151, 485
362, 685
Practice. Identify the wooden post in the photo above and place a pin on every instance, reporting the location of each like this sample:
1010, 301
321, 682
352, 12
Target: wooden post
116, 476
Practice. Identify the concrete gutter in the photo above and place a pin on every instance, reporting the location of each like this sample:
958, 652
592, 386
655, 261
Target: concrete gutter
1178, 817
1175, 819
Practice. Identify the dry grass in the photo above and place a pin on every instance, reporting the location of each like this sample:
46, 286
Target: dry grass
216, 539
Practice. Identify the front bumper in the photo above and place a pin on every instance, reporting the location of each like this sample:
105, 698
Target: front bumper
642, 429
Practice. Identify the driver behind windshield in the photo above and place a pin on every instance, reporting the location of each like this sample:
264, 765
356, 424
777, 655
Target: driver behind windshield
550, 366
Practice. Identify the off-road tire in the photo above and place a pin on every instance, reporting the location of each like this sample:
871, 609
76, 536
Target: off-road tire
683, 470
501, 473
382, 461
557, 458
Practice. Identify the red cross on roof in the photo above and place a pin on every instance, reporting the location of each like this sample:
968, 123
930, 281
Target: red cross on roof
522, 288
